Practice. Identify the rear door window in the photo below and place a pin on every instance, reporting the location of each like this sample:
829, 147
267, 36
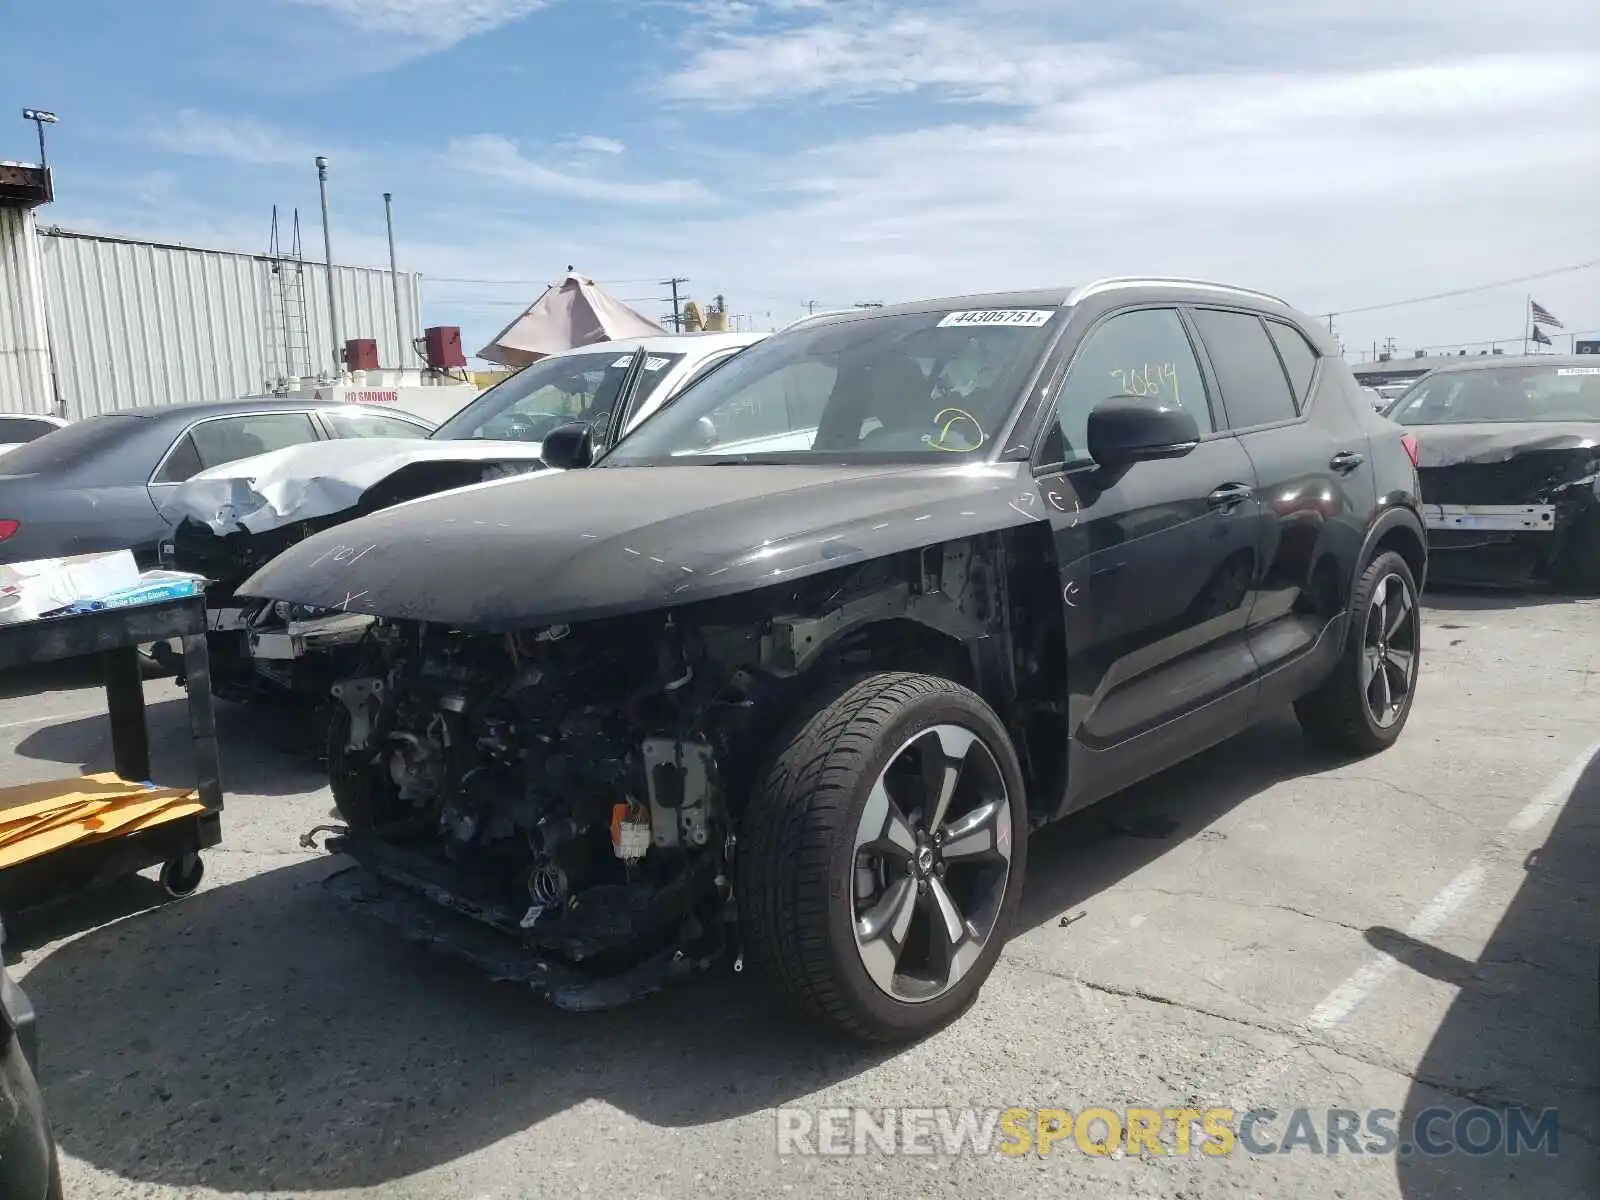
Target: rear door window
1255, 390
224, 440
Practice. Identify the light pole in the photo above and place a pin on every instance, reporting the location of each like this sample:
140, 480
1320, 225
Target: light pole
394, 280
40, 118
327, 254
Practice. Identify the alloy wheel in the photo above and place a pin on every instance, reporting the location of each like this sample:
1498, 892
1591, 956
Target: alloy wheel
933, 854
1389, 650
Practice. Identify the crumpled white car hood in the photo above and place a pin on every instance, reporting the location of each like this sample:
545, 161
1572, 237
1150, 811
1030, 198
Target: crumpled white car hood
299, 483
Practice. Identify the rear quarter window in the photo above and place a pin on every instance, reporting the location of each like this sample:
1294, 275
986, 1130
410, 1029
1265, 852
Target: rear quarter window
1299, 358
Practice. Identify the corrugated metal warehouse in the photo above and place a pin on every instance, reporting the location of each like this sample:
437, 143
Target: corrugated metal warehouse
131, 324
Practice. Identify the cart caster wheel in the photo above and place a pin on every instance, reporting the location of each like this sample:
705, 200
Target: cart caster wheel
181, 876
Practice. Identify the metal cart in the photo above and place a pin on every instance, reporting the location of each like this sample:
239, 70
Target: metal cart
114, 635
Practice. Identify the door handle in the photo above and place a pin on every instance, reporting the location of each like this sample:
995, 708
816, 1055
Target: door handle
1346, 461
1229, 495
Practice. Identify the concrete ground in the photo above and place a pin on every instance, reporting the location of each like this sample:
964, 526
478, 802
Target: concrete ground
1260, 927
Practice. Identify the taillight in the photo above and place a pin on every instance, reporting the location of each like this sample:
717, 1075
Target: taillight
1410, 443
7, 528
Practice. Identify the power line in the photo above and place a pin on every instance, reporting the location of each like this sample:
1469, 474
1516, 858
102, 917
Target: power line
1467, 291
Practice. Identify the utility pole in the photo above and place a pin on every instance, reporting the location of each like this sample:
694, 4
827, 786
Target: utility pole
394, 280
811, 307
677, 305
327, 253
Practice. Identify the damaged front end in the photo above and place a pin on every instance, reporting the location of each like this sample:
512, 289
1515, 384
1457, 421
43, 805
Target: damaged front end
560, 788
1512, 511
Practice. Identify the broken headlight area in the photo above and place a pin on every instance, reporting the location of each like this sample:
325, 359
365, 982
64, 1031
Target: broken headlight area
559, 786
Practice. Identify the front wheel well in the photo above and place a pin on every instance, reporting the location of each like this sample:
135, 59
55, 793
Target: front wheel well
899, 644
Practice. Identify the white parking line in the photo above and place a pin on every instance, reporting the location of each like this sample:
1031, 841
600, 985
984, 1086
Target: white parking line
1347, 997
68, 716
1549, 801
1343, 1000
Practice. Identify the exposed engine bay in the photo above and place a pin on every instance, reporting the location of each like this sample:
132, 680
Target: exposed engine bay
564, 788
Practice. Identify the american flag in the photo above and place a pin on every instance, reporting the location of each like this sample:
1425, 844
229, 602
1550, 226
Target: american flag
1541, 316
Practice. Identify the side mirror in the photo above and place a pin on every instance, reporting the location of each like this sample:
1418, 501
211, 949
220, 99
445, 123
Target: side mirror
1126, 429
568, 447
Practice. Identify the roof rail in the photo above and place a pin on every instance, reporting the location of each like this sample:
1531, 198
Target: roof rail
814, 316
1119, 281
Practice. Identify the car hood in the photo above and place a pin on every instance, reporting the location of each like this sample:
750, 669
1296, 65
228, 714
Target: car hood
1497, 441
300, 483
581, 545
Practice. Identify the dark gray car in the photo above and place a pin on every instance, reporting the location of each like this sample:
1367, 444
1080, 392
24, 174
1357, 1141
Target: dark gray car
98, 484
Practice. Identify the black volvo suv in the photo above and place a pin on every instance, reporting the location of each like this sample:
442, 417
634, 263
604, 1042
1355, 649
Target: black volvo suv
794, 669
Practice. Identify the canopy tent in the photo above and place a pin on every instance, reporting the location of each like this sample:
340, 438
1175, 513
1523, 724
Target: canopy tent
574, 312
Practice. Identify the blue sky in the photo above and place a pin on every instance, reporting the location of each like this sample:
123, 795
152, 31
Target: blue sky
779, 151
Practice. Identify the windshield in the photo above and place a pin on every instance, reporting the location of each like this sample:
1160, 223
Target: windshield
551, 392
1523, 393
911, 386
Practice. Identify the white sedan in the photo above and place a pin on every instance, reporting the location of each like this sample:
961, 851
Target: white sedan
18, 429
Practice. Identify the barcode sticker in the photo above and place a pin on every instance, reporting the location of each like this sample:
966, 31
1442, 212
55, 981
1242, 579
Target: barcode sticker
1002, 318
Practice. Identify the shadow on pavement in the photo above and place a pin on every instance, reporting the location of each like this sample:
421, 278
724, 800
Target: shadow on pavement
264, 752
1460, 598
1071, 862
257, 1036
1525, 1028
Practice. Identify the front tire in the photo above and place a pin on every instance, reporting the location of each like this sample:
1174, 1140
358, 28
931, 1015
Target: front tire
1364, 705
882, 856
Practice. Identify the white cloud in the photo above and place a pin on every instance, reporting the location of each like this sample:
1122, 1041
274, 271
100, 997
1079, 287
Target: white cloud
241, 139
594, 144
1340, 151
871, 52
438, 23
497, 158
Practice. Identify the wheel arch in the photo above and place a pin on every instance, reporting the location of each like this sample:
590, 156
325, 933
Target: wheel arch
1400, 530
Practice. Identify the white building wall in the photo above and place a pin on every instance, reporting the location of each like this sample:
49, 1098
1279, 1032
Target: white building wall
24, 345
134, 324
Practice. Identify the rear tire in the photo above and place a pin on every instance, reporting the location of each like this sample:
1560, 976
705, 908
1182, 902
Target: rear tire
820, 898
1363, 706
